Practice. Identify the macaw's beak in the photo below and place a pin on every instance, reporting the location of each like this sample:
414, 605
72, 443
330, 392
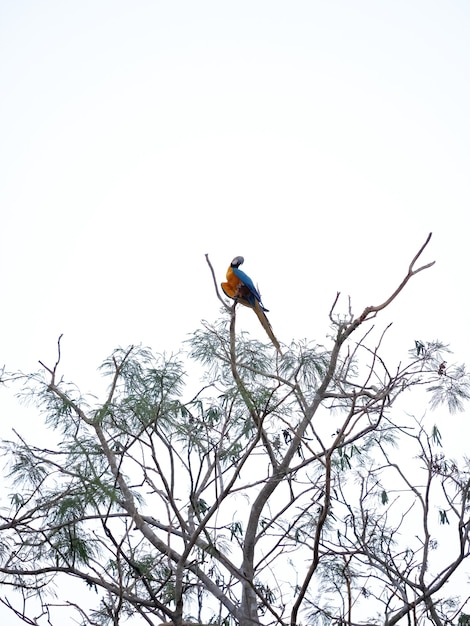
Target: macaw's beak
237, 261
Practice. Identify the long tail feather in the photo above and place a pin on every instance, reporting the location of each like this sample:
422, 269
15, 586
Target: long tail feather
266, 325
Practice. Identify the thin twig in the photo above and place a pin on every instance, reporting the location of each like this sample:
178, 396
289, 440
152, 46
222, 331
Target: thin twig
52, 372
334, 305
226, 306
118, 369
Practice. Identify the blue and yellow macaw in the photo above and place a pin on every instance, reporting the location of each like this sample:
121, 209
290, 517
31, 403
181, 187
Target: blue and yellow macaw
241, 288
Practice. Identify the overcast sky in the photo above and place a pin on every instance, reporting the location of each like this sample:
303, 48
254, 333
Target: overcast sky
321, 140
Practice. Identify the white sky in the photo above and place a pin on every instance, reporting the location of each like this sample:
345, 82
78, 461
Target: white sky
321, 140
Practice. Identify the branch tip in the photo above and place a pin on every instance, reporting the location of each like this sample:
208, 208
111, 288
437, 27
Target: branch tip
227, 308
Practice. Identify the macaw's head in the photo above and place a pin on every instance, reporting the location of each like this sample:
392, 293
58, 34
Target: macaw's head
237, 261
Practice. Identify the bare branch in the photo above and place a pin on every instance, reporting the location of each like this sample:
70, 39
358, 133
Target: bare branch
216, 286
53, 371
372, 310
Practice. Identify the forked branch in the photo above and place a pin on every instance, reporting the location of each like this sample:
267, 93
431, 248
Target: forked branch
372, 310
53, 371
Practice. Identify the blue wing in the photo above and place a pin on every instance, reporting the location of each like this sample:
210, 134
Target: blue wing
246, 280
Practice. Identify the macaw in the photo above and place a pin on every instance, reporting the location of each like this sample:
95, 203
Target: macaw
241, 288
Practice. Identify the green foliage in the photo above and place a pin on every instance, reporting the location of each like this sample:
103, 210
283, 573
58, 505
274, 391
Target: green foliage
448, 385
147, 390
69, 547
26, 469
451, 388
236, 530
436, 436
443, 519
420, 347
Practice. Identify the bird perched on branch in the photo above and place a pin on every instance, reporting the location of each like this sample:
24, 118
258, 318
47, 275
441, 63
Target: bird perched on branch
241, 288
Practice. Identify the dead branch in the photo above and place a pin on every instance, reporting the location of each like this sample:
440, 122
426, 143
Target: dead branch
53, 371
371, 311
19, 614
335, 301
225, 305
